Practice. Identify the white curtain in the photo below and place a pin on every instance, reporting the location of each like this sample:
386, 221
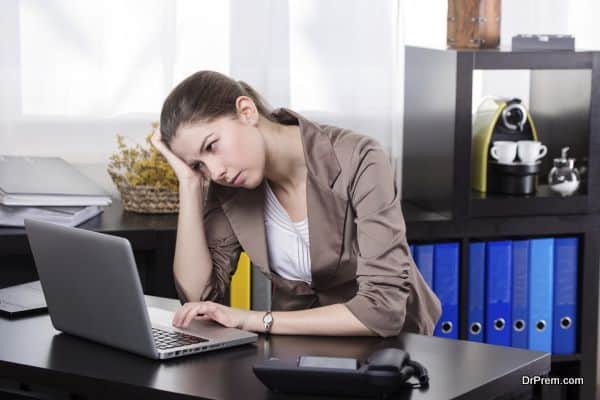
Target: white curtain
75, 73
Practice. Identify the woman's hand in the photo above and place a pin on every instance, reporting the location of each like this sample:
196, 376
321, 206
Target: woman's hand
185, 174
207, 310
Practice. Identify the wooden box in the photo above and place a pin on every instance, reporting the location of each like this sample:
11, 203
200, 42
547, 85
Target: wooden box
473, 24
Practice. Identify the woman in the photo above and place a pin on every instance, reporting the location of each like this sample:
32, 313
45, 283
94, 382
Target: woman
315, 207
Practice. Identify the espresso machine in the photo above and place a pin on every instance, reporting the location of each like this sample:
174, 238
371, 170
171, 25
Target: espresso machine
502, 120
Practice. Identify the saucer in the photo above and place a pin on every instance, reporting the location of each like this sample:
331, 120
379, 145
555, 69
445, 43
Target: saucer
514, 163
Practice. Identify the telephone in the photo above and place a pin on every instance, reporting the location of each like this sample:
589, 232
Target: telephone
385, 371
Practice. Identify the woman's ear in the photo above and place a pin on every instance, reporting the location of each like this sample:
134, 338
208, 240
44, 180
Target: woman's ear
246, 110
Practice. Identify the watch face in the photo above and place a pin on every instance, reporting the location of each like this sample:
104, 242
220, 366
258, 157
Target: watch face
267, 319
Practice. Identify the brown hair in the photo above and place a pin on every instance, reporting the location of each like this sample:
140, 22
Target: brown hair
204, 96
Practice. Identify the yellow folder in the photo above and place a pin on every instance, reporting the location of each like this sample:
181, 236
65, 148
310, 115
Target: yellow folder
240, 284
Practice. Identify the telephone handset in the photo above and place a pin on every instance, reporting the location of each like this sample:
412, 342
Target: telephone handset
385, 371
395, 361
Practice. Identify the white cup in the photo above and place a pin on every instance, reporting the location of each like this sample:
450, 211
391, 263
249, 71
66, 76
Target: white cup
530, 151
504, 151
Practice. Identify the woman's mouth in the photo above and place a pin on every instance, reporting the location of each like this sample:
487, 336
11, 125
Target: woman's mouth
237, 179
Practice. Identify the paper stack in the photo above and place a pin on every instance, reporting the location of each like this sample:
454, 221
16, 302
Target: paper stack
49, 189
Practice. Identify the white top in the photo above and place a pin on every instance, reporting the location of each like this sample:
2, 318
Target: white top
287, 241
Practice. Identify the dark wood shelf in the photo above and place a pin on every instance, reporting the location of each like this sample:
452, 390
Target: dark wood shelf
414, 214
552, 59
568, 358
437, 171
423, 225
490, 228
543, 202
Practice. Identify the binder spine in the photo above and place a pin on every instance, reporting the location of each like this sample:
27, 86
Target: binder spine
541, 287
445, 285
520, 294
565, 296
476, 300
498, 282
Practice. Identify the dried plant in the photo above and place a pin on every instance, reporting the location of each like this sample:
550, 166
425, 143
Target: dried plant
141, 166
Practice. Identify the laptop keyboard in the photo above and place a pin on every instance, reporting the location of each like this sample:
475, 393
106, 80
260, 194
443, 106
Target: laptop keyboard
167, 340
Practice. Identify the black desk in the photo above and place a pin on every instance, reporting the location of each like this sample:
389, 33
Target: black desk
152, 238
33, 355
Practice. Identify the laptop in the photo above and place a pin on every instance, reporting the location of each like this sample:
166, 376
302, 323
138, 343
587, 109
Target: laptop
93, 290
21, 300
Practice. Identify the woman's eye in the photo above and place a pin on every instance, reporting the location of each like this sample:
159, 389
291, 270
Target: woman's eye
211, 146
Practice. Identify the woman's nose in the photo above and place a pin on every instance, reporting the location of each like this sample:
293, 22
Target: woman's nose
218, 174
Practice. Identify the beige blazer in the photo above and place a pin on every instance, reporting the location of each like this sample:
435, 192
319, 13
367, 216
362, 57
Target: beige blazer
358, 249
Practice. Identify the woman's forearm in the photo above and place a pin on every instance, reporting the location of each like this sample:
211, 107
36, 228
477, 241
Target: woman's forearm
192, 266
333, 320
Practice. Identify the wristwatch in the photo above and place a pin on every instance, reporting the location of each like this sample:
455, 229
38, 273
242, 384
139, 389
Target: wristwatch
268, 321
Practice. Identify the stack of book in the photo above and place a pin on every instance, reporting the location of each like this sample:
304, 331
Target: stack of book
49, 189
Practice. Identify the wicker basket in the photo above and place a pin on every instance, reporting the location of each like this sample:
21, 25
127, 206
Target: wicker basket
149, 200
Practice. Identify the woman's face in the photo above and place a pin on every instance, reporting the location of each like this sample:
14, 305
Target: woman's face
231, 152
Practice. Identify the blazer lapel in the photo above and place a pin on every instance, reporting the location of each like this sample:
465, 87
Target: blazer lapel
326, 209
326, 218
245, 211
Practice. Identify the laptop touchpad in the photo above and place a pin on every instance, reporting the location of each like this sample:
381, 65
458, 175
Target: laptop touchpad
209, 329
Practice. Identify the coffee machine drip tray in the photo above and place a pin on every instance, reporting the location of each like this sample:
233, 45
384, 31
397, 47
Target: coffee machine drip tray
514, 179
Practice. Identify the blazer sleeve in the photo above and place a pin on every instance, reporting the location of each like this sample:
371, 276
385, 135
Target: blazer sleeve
384, 269
224, 249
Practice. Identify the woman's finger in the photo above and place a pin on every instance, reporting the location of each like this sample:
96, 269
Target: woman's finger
157, 142
162, 147
203, 308
178, 316
182, 312
198, 309
166, 152
182, 170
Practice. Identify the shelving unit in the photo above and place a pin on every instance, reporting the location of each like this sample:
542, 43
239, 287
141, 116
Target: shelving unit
544, 202
437, 150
